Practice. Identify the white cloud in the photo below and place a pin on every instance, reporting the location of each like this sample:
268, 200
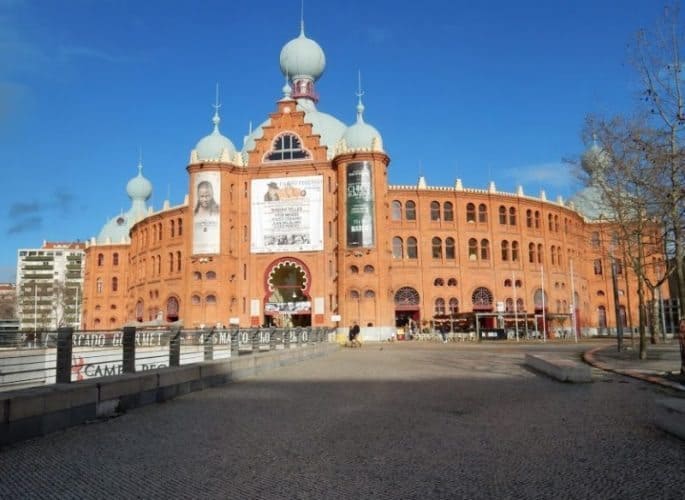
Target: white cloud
555, 175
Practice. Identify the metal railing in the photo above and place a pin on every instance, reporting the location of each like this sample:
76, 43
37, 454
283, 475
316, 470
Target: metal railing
30, 359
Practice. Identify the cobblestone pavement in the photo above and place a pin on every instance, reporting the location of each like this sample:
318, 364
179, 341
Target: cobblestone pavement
395, 421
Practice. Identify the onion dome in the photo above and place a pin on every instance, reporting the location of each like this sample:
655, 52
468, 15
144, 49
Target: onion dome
302, 58
139, 188
212, 146
361, 135
116, 230
596, 159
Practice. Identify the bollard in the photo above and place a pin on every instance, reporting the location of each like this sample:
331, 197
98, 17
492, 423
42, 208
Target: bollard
207, 340
64, 346
129, 346
175, 346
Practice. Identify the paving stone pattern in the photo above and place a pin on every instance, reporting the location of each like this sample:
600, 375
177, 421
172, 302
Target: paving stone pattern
388, 421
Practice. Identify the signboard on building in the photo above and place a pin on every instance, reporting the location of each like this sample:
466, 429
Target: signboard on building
206, 213
359, 203
287, 214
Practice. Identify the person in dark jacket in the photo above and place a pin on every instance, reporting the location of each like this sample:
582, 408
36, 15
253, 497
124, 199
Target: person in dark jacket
354, 336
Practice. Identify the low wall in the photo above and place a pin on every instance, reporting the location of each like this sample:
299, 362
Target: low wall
563, 370
38, 411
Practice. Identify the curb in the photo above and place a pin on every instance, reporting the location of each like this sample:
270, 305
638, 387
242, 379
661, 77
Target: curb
589, 358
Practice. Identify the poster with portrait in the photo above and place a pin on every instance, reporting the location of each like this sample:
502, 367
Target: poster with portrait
206, 212
360, 205
287, 214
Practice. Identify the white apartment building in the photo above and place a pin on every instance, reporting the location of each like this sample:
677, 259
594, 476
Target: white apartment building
49, 286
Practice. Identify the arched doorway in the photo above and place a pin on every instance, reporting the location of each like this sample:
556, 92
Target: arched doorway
287, 302
407, 309
172, 309
482, 301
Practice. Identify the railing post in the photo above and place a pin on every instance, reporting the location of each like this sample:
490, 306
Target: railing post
254, 336
175, 346
129, 346
272, 339
209, 345
64, 346
235, 342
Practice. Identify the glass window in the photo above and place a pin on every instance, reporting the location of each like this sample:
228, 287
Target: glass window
450, 253
98, 285
115, 259
369, 294
505, 250
448, 211
210, 275
484, 249
512, 216
439, 307
482, 213
115, 284
412, 248
515, 251
438, 282
354, 294
396, 210
437, 248
210, 299
502, 215
595, 239
531, 253
550, 222
529, 218
470, 212
397, 248
540, 253
369, 269
597, 265
537, 220
452, 282
354, 269
473, 249
197, 275
454, 305
287, 147
435, 210
101, 260
410, 210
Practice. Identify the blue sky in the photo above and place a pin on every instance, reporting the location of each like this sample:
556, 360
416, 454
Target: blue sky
493, 91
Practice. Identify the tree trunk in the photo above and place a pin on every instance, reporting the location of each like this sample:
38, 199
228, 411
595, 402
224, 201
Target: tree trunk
641, 312
655, 323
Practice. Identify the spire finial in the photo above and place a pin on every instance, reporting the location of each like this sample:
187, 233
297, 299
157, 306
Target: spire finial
140, 160
287, 90
360, 93
302, 18
216, 107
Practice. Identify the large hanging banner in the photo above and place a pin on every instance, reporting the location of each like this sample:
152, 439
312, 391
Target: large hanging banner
360, 219
287, 214
206, 214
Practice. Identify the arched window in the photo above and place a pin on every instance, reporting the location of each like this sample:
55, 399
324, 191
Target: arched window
531, 253
354, 294
559, 311
172, 309
509, 304
448, 211
481, 298
115, 284
470, 212
98, 285
435, 210
210, 275
197, 275
540, 253
512, 216
602, 317
518, 284
368, 269
439, 307
507, 283
540, 299
354, 269
482, 213
452, 282
178, 261
180, 227
115, 259
600, 293
519, 305
514, 251
505, 250
172, 227
594, 239
171, 262
397, 248
449, 248
484, 249
473, 249
396, 210
537, 219
502, 215
597, 265
436, 245
550, 222
139, 310
101, 260
410, 210
407, 296
412, 248
438, 282
556, 223
553, 254
195, 300
369, 294
210, 299
454, 305
287, 147
529, 218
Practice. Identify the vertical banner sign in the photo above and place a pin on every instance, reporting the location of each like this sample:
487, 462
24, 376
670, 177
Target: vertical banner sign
206, 214
360, 216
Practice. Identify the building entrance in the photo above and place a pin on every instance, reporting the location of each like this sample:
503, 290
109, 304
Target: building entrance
287, 302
